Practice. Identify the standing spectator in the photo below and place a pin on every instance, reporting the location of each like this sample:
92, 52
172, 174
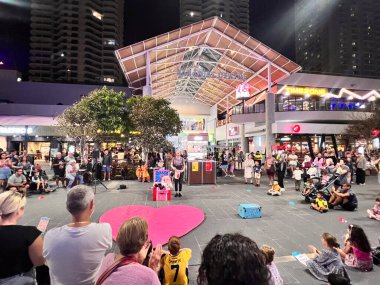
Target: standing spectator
270, 169
178, 165
268, 253
258, 157
224, 163
59, 168
231, 165
280, 171
5, 173
318, 162
240, 159
107, 164
20, 246
248, 167
126, 267
293, 161
74, 251
178, 259
350, 165
257, 173
232, 259
297, 175
361, 163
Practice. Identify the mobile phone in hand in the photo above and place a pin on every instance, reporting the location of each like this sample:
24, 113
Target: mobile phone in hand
42, 225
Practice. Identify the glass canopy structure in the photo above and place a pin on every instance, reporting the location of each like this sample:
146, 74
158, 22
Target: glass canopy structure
205, 61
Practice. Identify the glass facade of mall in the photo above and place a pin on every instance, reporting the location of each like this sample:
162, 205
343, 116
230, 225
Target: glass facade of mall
291, 103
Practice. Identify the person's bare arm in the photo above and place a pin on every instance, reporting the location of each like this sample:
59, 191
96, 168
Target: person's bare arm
35, 252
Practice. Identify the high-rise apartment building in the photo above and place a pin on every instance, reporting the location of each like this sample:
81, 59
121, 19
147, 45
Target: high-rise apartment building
338, 36
235, 12
74, 41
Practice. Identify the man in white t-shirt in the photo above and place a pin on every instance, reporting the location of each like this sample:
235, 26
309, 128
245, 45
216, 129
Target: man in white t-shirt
293, 161
75, 251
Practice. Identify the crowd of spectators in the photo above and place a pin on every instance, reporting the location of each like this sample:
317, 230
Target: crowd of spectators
76, 252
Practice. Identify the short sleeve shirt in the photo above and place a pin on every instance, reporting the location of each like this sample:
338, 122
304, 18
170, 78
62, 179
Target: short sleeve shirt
14, 249
16, 179
175, 267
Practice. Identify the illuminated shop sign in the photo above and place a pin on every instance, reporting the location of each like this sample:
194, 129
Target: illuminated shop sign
243, 91
296, 90
234, 131
15, 130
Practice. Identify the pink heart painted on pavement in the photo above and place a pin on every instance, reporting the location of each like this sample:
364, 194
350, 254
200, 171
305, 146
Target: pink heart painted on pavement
163, 222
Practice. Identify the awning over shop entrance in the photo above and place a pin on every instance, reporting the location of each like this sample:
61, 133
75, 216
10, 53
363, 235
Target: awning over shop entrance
205, 61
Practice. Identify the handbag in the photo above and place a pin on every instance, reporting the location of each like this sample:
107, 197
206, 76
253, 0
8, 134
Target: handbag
121, 262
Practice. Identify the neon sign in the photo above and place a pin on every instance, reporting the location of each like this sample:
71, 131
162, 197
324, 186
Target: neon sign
296, 90
16, 130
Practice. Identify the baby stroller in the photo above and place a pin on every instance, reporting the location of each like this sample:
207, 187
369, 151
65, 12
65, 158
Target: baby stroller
310, 196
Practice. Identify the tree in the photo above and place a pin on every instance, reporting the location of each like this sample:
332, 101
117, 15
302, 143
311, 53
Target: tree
363, 125
152, 120
101, 115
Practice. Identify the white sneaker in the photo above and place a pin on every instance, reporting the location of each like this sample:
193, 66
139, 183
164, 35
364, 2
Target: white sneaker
282, 189
362, 184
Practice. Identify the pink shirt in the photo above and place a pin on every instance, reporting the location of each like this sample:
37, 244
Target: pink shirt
131, 274
361, 255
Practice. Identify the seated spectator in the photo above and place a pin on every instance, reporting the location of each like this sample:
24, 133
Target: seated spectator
309, 187
126, 267
346, 198
327, 260
18, 181
312, 172
336, 279
20, 246
39, 181
268, 253
74, 251
357, 251
320, 204
177, 258
374, 213
275, 190
325, 178
5, 173
72, 173
232, 259
25, 165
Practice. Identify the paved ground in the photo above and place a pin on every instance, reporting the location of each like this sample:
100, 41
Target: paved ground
288, 228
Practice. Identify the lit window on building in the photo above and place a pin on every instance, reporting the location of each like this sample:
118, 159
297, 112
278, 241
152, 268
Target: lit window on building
354, 66
110, 42
109, 79
97, 15
354, 43
352, 15
354, 55
369, 27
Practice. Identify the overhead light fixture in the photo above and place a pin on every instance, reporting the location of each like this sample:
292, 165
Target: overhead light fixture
1, 62
285, 139
191, 14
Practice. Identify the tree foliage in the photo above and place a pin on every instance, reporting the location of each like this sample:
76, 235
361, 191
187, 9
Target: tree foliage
152, 120
363, 125
100, 115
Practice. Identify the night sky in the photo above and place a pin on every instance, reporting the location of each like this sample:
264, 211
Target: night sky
271, 22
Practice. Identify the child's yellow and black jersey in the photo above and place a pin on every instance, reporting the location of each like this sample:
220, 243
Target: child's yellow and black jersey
175, 268
322, 203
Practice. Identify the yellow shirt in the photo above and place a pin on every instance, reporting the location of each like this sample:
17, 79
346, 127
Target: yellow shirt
321, 203
175, 267
276, 188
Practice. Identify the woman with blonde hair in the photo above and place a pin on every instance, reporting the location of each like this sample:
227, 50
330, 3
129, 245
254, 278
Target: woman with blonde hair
20, 246
126, 266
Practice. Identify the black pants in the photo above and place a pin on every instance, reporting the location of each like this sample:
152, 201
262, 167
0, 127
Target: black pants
178, 183
280, 177
360, 176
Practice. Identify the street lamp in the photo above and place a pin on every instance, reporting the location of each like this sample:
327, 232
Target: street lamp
1, 62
